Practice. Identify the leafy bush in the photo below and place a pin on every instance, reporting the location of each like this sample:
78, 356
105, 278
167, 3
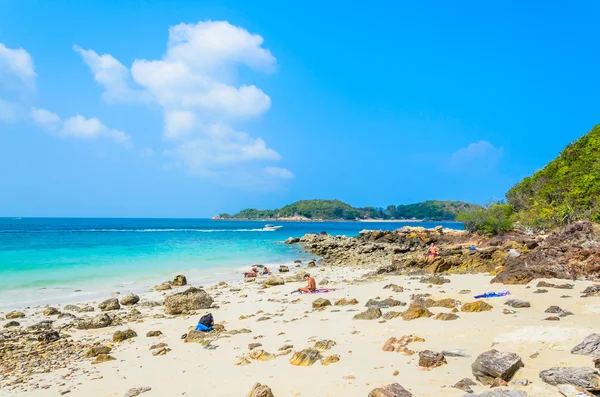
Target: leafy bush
495, 219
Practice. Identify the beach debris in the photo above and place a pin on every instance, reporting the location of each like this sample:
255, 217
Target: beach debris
136, 391
321, 303
191, 299
121, 336
385, 303
14, 315
99, 321
346, 302
130, 299
589, 347
109, 304
306, 357
479, 306
372, 313
393, 390
431, 359
260, 391
179, 281
415, 311
517, 303
585, 377
494, 364
334, 358
493, 294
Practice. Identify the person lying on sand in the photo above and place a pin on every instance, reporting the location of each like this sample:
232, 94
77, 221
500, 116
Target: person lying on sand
253, 272
311, 285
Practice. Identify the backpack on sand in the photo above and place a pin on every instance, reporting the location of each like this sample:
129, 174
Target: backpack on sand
207, 320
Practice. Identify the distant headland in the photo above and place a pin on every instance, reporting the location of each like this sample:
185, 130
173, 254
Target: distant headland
336, 210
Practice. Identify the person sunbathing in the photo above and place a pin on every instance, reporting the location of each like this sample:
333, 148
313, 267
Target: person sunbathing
311, 285
252, 273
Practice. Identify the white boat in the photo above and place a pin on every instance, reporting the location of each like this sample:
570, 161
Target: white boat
272, 227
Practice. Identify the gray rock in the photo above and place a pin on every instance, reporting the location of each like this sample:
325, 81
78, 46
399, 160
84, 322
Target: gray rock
109, 304
136, 391
494, 364
11, 324
517, 303
585, 377
589, 347
385, 303
191, 299
99, 321
72, 308
87, 309
130, 299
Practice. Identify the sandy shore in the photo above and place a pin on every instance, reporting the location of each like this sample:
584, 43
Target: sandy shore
189, 369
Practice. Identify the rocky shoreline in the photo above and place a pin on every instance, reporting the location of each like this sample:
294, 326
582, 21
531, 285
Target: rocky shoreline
572, 253
391, 324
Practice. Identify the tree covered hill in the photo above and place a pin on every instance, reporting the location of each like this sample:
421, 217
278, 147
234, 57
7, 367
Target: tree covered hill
567, 188
336, 209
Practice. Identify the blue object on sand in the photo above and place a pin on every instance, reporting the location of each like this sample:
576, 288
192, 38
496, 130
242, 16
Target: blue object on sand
493, 294
203, 328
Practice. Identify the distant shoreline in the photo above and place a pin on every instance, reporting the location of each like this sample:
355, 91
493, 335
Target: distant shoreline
335, 220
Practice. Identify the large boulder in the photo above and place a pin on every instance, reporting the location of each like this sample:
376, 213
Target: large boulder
393, 390
191, 299
260, 391
130, 299
589, 347
99, 321
274, 280
494, 364
585, 377
109, 304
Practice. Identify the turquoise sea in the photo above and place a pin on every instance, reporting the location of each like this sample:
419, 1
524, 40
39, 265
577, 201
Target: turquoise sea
45, 260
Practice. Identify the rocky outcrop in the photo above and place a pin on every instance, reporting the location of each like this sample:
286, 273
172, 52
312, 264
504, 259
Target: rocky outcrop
99, 321
494, 364
585, 377
393, 390
189, 300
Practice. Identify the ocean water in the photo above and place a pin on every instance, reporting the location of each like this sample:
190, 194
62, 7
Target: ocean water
45, 260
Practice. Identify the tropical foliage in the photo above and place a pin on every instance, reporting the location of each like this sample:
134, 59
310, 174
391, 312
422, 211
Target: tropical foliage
493, 220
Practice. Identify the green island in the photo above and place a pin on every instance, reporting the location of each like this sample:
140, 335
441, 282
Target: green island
567, 189
323, 210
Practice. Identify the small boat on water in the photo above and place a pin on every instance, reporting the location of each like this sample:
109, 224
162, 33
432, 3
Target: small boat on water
272, 227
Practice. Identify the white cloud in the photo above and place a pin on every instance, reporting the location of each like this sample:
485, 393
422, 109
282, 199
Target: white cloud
45, 119
16, 63
195, 84
80, 127
279, 172
112, 75
481, 156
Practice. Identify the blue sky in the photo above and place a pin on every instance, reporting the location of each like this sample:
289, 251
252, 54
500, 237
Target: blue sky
188, 109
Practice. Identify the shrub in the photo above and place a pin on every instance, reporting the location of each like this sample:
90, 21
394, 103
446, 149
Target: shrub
495, 219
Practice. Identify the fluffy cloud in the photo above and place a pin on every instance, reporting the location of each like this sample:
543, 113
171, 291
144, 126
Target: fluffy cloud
112, 75
77, 127
481, 156
195, 84
16, 63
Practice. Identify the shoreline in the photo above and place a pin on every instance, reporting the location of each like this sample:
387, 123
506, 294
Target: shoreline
337, 220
